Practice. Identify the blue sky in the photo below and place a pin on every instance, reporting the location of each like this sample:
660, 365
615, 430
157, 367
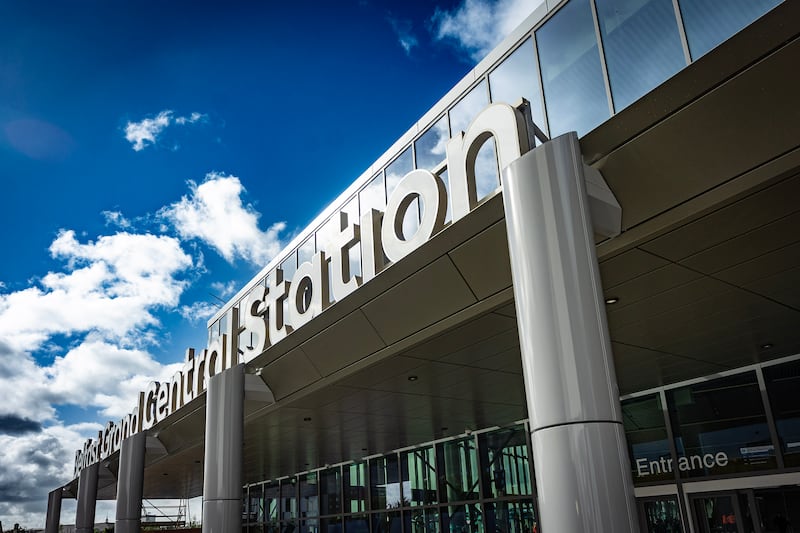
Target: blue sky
154, 156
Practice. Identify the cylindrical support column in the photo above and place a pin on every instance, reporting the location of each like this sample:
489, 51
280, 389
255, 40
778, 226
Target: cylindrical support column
222, 470
582, 468
53, 511
130, 484
87, 498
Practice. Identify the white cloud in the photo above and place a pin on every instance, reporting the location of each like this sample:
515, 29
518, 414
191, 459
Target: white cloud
145, 132
477, 26
403, 30
111, 286
214, 214
223, 290
198, 312
116, 218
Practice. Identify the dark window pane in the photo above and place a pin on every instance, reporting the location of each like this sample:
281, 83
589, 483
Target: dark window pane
460, 479
422, 520
355, 488
387, 522
511, 517
309, 501
356, 524
662, 515
574, 91
384, 480
720, 427
271, 503
516, 78
710, 22
330, 488
505, 463
642, 45
418, 472
646, 434
783, 382
463, 519
288, 503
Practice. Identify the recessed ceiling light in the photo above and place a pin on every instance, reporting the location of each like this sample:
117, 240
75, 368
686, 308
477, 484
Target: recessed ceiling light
413, 378
307, 419
767, 346
612, 300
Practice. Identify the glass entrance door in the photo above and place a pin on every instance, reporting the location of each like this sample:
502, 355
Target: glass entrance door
727, 512
660, 515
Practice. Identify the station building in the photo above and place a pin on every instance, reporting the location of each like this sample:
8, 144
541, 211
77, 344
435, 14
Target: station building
503, 326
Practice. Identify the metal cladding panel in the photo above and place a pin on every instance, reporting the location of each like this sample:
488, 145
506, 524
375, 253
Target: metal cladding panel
348, 340
435, 292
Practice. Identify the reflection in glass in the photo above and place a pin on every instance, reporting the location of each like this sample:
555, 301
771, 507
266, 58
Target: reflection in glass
255, 507
505, 464
306, 526
395, 172
710, 22
330, 491
422, 520
720, 427
384, 482
309, 502
487, 178
418, 474
355, 488
356, 524
511, 517
305, 253
373, 196
516, 78
271, 503
386, 522
783, 382
646, 435
574, 91
288, 502
430, 147
642, 46
463, 519
467, 108
459, 477
331, 524
662, 515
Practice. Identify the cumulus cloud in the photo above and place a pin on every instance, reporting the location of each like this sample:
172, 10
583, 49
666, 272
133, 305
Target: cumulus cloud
116, 218
477, 26
145, 132
198, 312
214, 214
403, 29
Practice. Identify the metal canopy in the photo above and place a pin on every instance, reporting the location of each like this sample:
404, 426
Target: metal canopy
706, 272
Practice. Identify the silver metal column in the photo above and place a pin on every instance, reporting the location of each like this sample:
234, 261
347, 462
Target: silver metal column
582, 470
130, 484
222, 483
87, 497
53, 511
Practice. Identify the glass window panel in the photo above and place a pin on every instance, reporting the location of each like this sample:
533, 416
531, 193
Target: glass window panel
642, 46
396, 170
331, 524
662, 514
487, 178
271, 503
422, 520
574, 91
460, 479
373, 196
511, 517
468, 107
288, 503
306, 251
289, 266
720, 427
309, 500
710, 22
306, 526
516, 77
384, 480
448, 216
386, 522
463, 519
783, 382
255, 511
418, 473
355, 488
356, 524
646, 435
430, 147
505, 463
330, 491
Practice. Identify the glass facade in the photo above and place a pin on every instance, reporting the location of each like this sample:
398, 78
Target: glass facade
456, 485
561, 67
783, 384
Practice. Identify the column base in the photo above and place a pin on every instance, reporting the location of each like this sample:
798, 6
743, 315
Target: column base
127, 526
